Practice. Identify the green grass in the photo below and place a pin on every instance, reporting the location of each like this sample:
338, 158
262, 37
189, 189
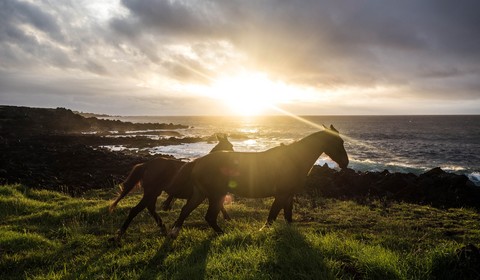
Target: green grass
48, 235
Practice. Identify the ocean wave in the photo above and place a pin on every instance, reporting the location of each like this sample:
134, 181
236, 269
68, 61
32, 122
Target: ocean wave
392, 166
116, 148
474, 177
453, 168
188, 151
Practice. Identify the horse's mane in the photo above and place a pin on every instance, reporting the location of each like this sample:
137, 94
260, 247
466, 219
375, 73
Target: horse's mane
294, 143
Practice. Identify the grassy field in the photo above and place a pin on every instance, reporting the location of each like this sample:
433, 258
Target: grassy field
48, 235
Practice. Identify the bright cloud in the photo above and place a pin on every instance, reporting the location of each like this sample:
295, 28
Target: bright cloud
212, 57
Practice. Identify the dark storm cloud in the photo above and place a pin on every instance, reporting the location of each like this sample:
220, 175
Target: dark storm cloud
172, 17
18, 45
13, 13
35, 36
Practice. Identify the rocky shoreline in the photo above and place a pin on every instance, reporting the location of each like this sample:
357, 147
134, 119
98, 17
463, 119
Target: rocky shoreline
16, 120
434, 187
48, 148
45, 148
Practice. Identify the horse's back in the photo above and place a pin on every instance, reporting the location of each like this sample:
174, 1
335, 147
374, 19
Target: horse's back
161, 170
247, 174
181, 185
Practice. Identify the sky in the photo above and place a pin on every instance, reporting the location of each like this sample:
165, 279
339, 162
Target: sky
245, 57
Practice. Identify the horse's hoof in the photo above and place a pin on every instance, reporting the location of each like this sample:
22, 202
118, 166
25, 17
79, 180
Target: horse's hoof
174, 232
115, 241
265, 227
163, 230
166, 207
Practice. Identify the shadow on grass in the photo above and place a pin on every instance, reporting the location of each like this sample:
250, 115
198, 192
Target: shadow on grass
463, 264
292, 256
88, 268
198, 257
192, 266
156, 263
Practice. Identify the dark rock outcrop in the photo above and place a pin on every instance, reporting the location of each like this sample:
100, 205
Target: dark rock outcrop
435, 187
63, 166
42, 148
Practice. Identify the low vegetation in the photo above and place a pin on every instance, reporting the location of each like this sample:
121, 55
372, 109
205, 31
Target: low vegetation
49, 235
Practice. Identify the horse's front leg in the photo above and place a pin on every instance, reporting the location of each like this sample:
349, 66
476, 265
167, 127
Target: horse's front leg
152, 210
277, 205
214, 206
288, 209
226, 217
225, 214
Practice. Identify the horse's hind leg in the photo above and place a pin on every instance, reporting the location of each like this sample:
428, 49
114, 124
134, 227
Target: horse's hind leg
214, 207
152, 209
167, 204
192, 203
132, 214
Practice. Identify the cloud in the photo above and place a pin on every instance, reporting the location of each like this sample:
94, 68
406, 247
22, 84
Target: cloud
427, 50
324, 43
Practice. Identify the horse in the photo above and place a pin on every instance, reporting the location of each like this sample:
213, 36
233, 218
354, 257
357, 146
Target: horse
155, 176
279, 172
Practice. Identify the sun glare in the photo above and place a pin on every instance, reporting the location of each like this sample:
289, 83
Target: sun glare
249, 94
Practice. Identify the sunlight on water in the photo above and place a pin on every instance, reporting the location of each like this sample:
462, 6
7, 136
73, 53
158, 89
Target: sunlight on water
248, 130
344, 137
250, 142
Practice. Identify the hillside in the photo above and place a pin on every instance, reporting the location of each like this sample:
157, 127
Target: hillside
25, 120
48, 235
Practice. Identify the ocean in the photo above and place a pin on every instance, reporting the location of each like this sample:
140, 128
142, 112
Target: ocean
374, 143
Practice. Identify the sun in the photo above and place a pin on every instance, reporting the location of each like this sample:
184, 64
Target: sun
249, 94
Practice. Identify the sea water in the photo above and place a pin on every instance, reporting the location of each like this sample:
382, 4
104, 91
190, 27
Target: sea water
373, 143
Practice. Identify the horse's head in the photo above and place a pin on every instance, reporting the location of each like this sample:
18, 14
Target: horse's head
223, 144
334, 149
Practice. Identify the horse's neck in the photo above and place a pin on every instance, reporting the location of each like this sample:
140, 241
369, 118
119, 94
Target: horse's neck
217, 148
308, 150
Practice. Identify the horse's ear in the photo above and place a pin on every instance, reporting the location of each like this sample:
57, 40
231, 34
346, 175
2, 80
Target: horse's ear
324, 126
334, 129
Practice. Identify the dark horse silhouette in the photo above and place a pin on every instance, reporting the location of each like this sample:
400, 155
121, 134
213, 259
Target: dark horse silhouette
279, 172
155, 176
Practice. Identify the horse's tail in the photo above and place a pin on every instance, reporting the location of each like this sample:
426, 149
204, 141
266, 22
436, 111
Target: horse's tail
132, 180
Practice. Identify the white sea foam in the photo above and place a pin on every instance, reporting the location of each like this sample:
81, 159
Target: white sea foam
453, 168
475, 178
187, 151
114, 148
